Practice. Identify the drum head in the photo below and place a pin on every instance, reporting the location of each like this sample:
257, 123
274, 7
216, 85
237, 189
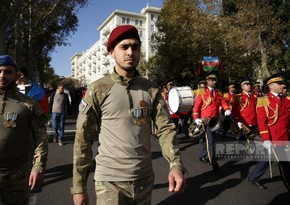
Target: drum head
173, 100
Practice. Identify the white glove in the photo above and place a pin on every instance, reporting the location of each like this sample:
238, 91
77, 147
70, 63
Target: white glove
198, 121
240, 125
267, 144
228, 113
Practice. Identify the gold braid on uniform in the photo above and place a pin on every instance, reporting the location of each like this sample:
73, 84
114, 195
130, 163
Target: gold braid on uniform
229, 101
264, 102
206, 102
243, 106
275, 115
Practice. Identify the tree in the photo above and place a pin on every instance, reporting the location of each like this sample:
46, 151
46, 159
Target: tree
36, 28
188, 32
248, 36
254, 37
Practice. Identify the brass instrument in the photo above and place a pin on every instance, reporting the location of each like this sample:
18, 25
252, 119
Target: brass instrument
250, 135
214, 124
197, 130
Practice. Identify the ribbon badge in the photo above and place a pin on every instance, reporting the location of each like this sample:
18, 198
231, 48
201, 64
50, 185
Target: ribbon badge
10, 120
141, 114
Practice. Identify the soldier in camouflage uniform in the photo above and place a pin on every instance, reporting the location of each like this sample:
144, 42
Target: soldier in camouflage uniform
23, 145
118, 109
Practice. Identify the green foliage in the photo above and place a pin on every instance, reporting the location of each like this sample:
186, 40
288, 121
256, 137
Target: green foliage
30, 29
248, 36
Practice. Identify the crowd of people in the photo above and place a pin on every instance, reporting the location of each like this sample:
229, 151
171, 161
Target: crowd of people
121, 110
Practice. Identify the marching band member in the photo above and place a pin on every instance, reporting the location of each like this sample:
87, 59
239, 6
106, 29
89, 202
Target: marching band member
207, 104
201, 85
284, 92
273, 113
245, 108
229, 97
257, 90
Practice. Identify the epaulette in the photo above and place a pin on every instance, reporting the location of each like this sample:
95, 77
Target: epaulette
288, 97
200, 92
226, 95
263, 101
220, 92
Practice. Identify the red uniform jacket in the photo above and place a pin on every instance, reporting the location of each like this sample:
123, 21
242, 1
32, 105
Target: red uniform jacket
245, 109
230, 100
207, 105
273, 118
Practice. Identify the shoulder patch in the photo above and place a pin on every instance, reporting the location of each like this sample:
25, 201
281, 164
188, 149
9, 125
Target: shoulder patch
263, 101
83, 105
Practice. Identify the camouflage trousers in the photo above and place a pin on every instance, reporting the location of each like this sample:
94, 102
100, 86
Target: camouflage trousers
124, 193
14, 188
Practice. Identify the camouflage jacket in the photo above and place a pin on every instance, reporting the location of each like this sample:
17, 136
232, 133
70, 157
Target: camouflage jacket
119, 111
23, 142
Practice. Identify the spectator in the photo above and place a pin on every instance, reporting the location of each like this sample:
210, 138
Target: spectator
59, 106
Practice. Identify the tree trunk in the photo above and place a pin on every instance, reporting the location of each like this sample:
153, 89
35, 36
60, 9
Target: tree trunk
263, 72
2, 43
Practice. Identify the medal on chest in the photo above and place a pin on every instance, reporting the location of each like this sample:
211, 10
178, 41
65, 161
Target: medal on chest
9, 119
140, 114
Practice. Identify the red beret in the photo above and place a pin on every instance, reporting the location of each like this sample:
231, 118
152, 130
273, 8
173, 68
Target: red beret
120, 33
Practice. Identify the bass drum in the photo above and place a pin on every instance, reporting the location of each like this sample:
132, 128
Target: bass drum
181, 99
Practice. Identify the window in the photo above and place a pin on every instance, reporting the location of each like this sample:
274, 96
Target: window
128, 20
123, 20
141, 33
141, 22
136, 22
152, 17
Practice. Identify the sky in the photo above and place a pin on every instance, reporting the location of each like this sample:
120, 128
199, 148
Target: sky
90, 18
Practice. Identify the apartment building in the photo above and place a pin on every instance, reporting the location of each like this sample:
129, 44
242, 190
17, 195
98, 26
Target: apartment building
96, 62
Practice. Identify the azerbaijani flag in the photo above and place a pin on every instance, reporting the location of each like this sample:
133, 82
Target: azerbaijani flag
210, 63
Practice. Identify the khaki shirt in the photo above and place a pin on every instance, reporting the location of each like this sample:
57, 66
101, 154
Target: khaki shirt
119, 111
23, 142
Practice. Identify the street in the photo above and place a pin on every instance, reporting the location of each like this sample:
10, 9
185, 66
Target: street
230, 186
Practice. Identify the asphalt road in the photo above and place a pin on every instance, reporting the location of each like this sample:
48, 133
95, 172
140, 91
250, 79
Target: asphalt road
229, 187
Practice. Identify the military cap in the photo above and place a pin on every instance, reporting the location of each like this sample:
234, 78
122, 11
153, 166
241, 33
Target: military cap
246, 80
170, 81
256, 84
7, 60
120, 33
201, 81
211, 75
275, 78
231, 85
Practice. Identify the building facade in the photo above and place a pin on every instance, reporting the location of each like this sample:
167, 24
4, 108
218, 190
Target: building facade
96, 62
